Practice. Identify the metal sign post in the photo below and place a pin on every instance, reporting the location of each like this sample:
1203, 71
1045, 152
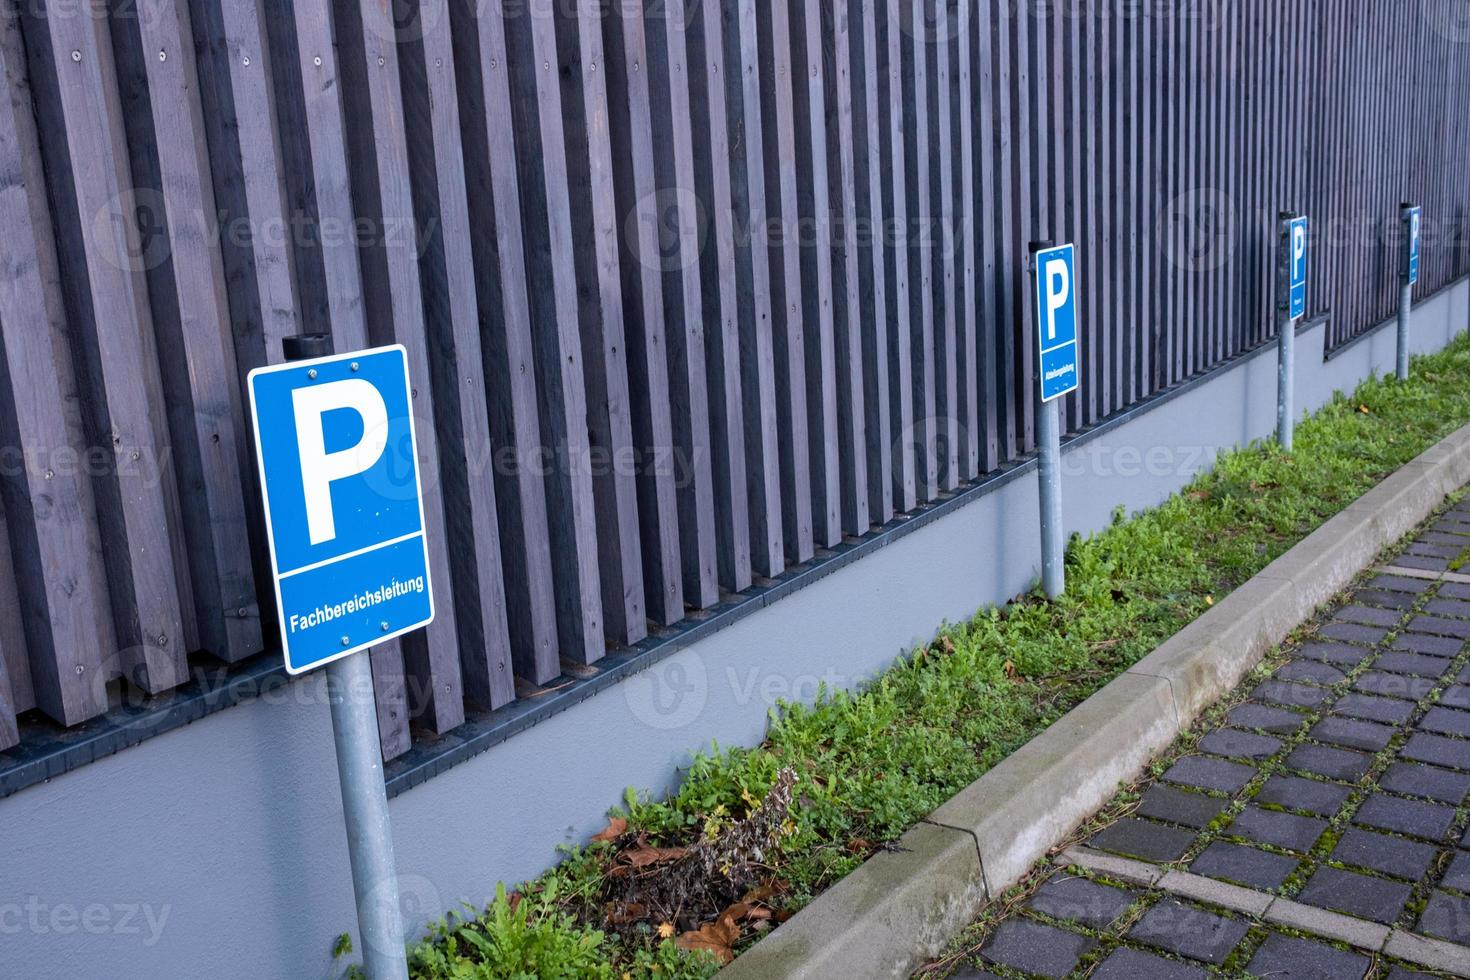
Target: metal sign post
1291, 305
343, 505
1059, 367
1408, 275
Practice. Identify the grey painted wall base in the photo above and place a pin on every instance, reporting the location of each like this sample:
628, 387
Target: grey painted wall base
220, 846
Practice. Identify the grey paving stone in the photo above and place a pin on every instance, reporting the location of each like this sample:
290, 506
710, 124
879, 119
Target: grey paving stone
1426, 562
1179, 806
1440, 626
1353, 633
1243, 865
1463, 676
1441, 537
1457, 608
1353, 733
1446, 916
1143, 839
1033, 947
1281, 957
1397, 856
1455, 590
1446, 721
1431, 550
1189, 931
1400, 973
1235, 744
1312, 671
1274, 827
1389, 710
1266, 717
1457, 875
1367, 616
1418, 664
1417, 779
1326, 761
1082, 900
1456, 695
1296, 793
1438, 750
1399, 583
1450, 525
1208, 773
1341, 654
1376, 899
1413, 817
1392, 685
970, 973
1386, 598
1125, 963
1293, 694
1434, 646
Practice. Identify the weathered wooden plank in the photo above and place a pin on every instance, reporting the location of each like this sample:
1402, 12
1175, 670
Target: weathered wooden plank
889, 75
100, 252
551, 284
985, 194
780, 75
949, 426
1008, 301
812, 167
682, 228
712, 154
592, 244
871, 233
851, 429
159, 94
388, 250
753, 286
456, 355
12, 637
492, 184
970, 308
630, 130
55, 573
920, 249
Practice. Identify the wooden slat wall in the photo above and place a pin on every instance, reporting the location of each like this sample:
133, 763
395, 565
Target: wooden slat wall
692, 289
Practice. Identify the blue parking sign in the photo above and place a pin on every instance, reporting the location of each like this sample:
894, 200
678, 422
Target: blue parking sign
1297, 267
1413, 216
344, 514
1056, 321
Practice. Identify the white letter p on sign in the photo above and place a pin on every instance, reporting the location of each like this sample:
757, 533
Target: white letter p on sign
1058, 287
319, 468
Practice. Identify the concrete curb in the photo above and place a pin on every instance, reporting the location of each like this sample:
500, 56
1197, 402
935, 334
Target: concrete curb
901, 907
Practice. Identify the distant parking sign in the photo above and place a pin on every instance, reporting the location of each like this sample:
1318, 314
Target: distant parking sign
1297, 268
1412, 216
1056, 321
343, 502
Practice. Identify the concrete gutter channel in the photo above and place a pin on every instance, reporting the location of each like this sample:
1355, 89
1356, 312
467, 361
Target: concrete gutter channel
901, 907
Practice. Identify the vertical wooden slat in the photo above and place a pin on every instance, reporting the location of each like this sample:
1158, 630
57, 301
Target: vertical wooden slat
889, 73
947, 432
969, 307
79, 118
851, 430
377, 158
780, 75
456, 357
721, 314
493, 188
921, 248
12, 637
551, 285
158, 86
592, 243
630, 130
753, 282
982, 88
812, 168
681, 218
872, 245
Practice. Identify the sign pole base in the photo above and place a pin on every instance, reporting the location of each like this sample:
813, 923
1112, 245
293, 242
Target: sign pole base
1406, 304
1049, 445
365, 807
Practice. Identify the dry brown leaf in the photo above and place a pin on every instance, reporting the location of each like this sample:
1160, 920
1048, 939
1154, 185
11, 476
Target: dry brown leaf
1011, 671
758, 914
712, 937
642, 857
665, 930
615, 829
859, 845
1364, 410
1200, 495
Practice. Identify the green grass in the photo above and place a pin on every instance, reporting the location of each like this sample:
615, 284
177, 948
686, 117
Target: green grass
871, 763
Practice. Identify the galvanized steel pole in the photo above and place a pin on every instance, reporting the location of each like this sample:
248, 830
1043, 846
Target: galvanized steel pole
1285, 337
360, 773
1406, 293
1049, 453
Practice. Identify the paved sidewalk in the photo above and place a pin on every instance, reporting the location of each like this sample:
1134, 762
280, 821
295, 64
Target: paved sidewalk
1312, 825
